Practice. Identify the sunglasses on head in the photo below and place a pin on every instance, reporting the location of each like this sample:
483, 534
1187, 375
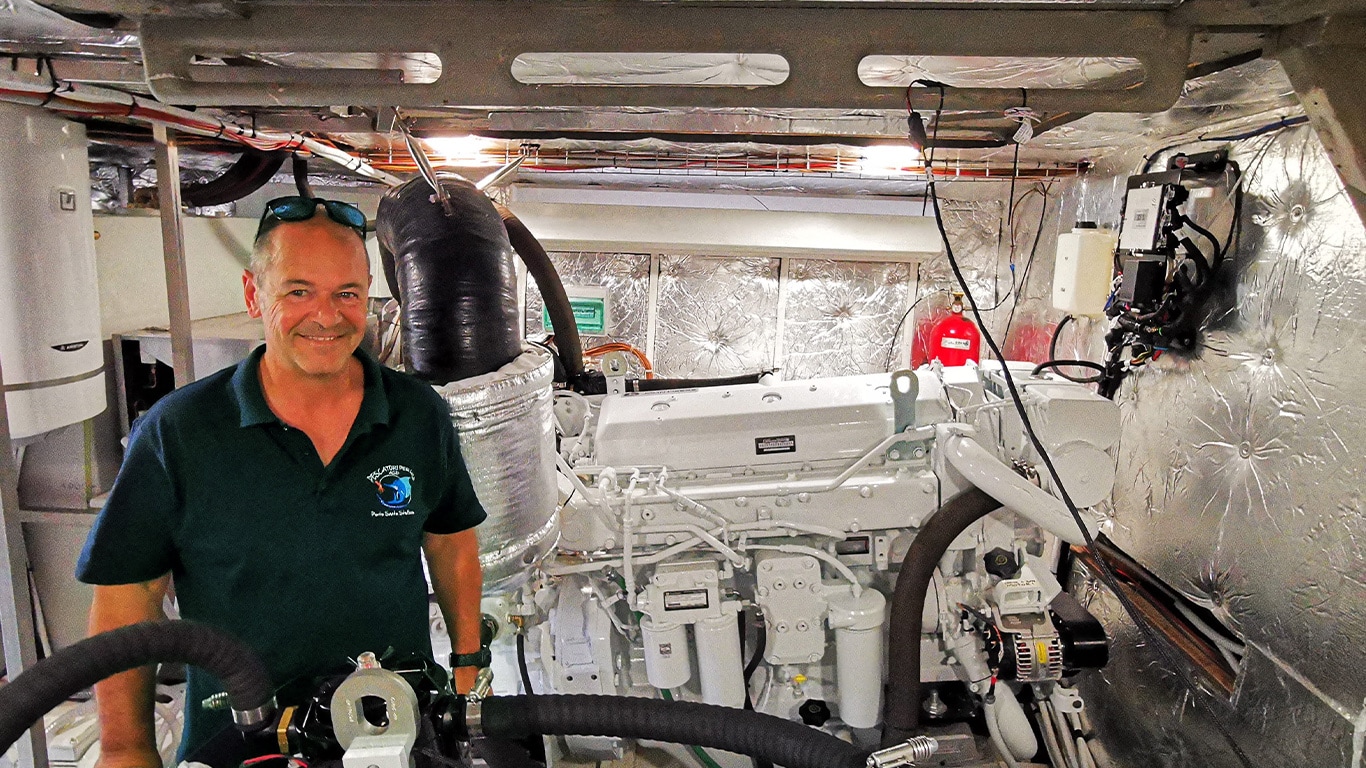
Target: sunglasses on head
299, 208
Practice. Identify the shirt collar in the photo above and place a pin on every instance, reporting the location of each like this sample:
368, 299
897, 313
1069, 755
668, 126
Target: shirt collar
251, 400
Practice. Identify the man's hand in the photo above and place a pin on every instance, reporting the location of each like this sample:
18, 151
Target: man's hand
458, 582
127, 735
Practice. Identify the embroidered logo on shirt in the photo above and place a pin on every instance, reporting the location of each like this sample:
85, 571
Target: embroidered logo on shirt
393, 485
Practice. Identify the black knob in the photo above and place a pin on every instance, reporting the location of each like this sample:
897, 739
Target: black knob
1001, 562
814, 712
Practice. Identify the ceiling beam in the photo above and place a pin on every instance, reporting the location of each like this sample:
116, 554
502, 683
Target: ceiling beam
1326, 62
823, 47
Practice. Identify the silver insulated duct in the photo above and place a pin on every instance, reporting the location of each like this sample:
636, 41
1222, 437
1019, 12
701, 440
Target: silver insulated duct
504, 421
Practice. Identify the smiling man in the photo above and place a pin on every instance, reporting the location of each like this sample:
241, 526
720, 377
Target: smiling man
290, 496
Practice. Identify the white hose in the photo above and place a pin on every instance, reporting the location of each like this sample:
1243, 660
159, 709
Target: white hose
1050, 739
1064, 735
1084, 754
994, 728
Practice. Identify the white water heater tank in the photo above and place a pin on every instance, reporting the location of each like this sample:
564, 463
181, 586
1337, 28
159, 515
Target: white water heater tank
50, 343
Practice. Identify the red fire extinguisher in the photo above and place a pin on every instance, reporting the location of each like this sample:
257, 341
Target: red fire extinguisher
955, 340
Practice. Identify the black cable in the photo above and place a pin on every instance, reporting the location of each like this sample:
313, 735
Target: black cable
891, 345
1106, 573
1057, 331
1024, 275
521, 664
741, 625
760, 645
1053, 366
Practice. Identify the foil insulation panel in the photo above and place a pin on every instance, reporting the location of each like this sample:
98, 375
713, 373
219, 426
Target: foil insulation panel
505, 422
716, 316
842, 318
1239, 480
812, 318
1145, 718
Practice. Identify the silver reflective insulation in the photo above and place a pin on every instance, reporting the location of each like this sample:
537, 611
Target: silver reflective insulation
842, 317
1240, 483
1001, 71
716, 317
504, 421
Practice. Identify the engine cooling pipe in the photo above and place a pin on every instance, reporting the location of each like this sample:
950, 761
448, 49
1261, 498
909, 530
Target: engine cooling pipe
548, 282
908, 605
73, 669
454, 276
765, 737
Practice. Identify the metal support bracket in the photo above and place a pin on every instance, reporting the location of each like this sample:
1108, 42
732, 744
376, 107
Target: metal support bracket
905, 388
173, 254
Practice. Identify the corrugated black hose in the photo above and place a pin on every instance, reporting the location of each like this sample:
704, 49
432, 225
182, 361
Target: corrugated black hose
73, 669
908, 605
778, 741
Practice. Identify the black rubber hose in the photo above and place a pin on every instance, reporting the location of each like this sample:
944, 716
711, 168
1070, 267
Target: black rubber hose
251, 172
73, 669
908, 604
299, 165
548, 282
779, 741
455, 278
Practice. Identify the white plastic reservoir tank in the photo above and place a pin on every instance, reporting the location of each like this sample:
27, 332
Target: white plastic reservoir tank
50, 344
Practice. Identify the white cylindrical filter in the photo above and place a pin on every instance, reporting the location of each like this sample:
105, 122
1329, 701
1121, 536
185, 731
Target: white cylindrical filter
719, 665
859, 651
50, 340
666, 653
1083, 270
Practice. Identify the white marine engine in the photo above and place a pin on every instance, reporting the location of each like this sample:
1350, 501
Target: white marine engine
777, 515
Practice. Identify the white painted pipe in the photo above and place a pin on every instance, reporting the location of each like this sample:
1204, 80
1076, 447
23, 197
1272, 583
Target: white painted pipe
859, 650
719, 665
667, 664
987, 472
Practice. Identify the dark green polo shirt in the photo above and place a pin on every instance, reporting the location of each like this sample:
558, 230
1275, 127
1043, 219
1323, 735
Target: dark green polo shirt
310, 565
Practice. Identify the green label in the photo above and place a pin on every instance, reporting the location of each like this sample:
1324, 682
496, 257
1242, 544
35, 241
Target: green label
590, 314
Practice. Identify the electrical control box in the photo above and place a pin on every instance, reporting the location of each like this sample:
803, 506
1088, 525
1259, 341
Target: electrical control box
1145, 211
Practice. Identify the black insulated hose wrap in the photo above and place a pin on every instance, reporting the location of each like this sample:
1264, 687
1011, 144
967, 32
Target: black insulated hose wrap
454, 276
548, 282
77, 667
781, 742
908, 606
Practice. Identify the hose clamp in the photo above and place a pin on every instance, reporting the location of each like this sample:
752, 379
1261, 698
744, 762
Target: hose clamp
250, 719
474, 718
911, 752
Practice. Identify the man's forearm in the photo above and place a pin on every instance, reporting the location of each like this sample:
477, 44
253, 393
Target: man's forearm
127, 734
457, 581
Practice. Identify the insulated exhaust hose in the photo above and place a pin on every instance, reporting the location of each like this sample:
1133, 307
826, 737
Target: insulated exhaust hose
454, 276
781, 742
73, 669
908, 605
